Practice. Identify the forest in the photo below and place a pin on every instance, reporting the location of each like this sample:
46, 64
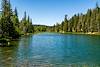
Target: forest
12, 28
86, 23
81, 23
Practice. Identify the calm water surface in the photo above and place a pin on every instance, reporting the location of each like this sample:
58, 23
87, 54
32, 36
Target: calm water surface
52, 50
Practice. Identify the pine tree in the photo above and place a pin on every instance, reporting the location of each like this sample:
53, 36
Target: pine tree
6, 22
65, 26
16, 17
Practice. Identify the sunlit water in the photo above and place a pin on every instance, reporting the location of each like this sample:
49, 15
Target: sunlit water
52, 50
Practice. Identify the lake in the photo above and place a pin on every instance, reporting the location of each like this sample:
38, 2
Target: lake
52, 50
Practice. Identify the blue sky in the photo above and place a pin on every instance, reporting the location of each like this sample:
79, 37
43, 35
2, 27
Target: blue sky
49, 12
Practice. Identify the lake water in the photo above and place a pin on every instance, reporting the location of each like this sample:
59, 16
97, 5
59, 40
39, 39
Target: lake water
52, 50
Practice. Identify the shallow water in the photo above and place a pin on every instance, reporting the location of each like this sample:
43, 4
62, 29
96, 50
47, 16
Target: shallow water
52, 50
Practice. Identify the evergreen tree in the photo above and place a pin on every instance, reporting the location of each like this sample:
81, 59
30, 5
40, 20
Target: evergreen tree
6, 22
65, 26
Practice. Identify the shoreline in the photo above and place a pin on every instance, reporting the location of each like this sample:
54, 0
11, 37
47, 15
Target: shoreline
7, 41
88, 33
78, 33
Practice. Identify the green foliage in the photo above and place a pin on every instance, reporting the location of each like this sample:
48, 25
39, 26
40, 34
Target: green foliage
26, 25
65, 26
7, 25
89, 22
41, 28
11, 27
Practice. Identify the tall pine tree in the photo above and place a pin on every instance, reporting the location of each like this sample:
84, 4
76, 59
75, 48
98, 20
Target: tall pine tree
6, 22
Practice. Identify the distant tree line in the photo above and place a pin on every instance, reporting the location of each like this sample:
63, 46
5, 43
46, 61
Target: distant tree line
85, 23
89, 22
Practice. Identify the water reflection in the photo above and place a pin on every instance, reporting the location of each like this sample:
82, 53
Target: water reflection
55, 50
8, 55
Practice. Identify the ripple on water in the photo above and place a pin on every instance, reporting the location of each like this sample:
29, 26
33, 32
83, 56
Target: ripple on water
52, 50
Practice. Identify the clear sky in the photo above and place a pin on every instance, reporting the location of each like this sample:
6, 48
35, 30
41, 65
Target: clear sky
48, 12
